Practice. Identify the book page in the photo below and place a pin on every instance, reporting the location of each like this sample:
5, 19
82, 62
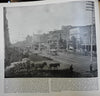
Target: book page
49, 47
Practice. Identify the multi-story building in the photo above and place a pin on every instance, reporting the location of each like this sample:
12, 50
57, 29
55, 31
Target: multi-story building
81, 35
77, 38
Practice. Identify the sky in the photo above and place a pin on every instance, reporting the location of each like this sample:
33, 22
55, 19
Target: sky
38, 19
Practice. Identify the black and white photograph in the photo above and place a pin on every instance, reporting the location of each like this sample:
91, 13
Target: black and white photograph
50, 41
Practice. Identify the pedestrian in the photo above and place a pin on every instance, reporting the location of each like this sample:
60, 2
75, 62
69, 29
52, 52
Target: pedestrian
91, 68
71, 68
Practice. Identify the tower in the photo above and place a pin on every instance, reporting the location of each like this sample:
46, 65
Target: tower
6, 30
6, 40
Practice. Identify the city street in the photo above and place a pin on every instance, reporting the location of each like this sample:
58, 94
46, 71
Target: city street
80, 63
56, 48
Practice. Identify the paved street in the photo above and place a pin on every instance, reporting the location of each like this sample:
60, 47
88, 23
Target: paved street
80, 66
80, 63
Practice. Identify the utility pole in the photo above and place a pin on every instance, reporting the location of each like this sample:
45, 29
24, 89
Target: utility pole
90, 7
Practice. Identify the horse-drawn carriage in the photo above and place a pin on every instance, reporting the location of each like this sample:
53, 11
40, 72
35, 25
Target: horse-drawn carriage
27, 65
